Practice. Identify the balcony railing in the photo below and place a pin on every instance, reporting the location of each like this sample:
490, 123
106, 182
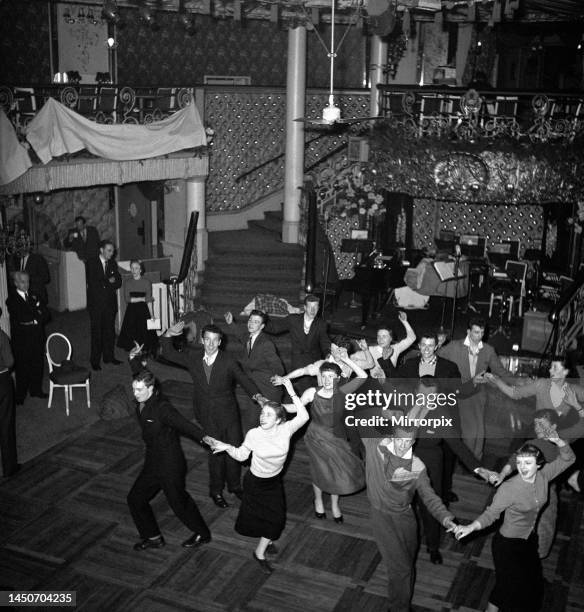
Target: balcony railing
469, 115
101, 103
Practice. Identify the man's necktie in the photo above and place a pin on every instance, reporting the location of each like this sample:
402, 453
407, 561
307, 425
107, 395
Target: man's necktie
249, 346
22, 264
141, 406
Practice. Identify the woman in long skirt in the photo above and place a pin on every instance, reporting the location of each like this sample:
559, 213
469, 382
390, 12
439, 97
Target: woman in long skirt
262, 513
518, 573
138, 295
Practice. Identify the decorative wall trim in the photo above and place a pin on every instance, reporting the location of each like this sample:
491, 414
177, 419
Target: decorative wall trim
92, 172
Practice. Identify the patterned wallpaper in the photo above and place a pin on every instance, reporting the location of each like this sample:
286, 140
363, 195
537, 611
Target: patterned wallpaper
256, 136
59, 209
24, 42
224, 47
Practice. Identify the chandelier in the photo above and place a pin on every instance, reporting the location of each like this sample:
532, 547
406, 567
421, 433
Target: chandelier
12, 240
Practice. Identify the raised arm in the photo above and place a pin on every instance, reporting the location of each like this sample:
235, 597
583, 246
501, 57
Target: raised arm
363, 357
403, 345
355, 383
301, 413
167, 350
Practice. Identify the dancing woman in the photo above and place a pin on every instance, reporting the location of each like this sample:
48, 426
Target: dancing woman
263, 510
334, 467
518, 573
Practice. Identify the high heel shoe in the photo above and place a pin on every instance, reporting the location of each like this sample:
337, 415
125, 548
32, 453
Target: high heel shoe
338, 519
320, 515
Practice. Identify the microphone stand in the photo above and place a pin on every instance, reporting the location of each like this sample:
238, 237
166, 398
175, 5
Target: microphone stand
457, 254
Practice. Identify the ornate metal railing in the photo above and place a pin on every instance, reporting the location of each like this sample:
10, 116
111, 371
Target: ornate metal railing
567, 317
468, 114
106, 103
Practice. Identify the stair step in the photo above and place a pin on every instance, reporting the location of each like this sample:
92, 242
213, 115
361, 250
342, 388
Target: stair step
248, 262
277, 275
272, 226
274, 214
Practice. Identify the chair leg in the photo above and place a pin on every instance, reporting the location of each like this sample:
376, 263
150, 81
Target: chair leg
510, 309
67, 399
87, 390
51, 388
71, 393
491, 301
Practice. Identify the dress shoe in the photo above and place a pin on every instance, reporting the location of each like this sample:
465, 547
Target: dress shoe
41, 395
263, 563
219, 501
272, 549
114, 362
238, 493
96, 368
338, 519
148, 543
196, 540
435, 557
450, 497
320, 515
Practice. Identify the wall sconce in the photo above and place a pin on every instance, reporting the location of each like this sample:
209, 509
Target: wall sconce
111, 43
67, 18
146, 14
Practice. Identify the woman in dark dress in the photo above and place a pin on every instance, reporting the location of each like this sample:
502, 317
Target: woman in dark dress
519, 578
263, 510
334, 467
138, 295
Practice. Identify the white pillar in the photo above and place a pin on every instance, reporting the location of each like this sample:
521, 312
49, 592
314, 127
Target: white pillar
195, 202
294, 167
378, 61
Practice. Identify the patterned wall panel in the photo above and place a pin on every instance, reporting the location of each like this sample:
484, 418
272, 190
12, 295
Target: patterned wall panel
496, 223
56, 215
249, 131
424, 223
224, 47
24, 42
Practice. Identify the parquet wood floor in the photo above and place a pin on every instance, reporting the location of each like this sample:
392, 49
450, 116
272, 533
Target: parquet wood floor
65, 526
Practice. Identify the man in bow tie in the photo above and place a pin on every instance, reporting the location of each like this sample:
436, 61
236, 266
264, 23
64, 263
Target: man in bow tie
28, 316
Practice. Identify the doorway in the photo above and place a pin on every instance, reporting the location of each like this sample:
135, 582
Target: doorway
139, 204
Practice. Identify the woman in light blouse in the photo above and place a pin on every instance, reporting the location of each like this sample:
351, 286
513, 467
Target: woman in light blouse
138, 295
519, 579
263, 511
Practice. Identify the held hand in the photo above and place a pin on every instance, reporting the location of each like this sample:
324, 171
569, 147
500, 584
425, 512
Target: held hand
176, 329
487, 475
450, 525
278, 380
497, 479
491, 378
480, 379
228, 318
402, 316
209, 441
462, 531
219, 447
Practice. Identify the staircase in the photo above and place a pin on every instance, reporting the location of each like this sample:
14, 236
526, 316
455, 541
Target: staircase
243, 263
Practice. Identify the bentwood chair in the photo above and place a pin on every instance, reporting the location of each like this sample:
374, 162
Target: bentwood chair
62, 372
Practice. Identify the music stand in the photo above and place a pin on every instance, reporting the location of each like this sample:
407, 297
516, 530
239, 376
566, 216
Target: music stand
448, 271
357, 246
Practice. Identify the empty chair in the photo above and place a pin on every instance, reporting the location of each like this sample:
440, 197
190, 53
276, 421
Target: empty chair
62, 371
510, 290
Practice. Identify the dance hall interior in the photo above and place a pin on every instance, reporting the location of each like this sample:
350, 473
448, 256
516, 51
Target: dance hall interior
247, 247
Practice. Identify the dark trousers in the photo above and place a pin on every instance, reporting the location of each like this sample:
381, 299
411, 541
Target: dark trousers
28, 367
222, 468
7, 425
151, 481
396, 536
103, 334
433, 458
448, 468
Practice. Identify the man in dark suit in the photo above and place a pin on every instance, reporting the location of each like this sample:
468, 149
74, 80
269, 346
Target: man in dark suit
214, 375
473, 358
28, 316
164, 466
260, 361
84, 240
103, 280
308, 335
7, 410
35, 265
